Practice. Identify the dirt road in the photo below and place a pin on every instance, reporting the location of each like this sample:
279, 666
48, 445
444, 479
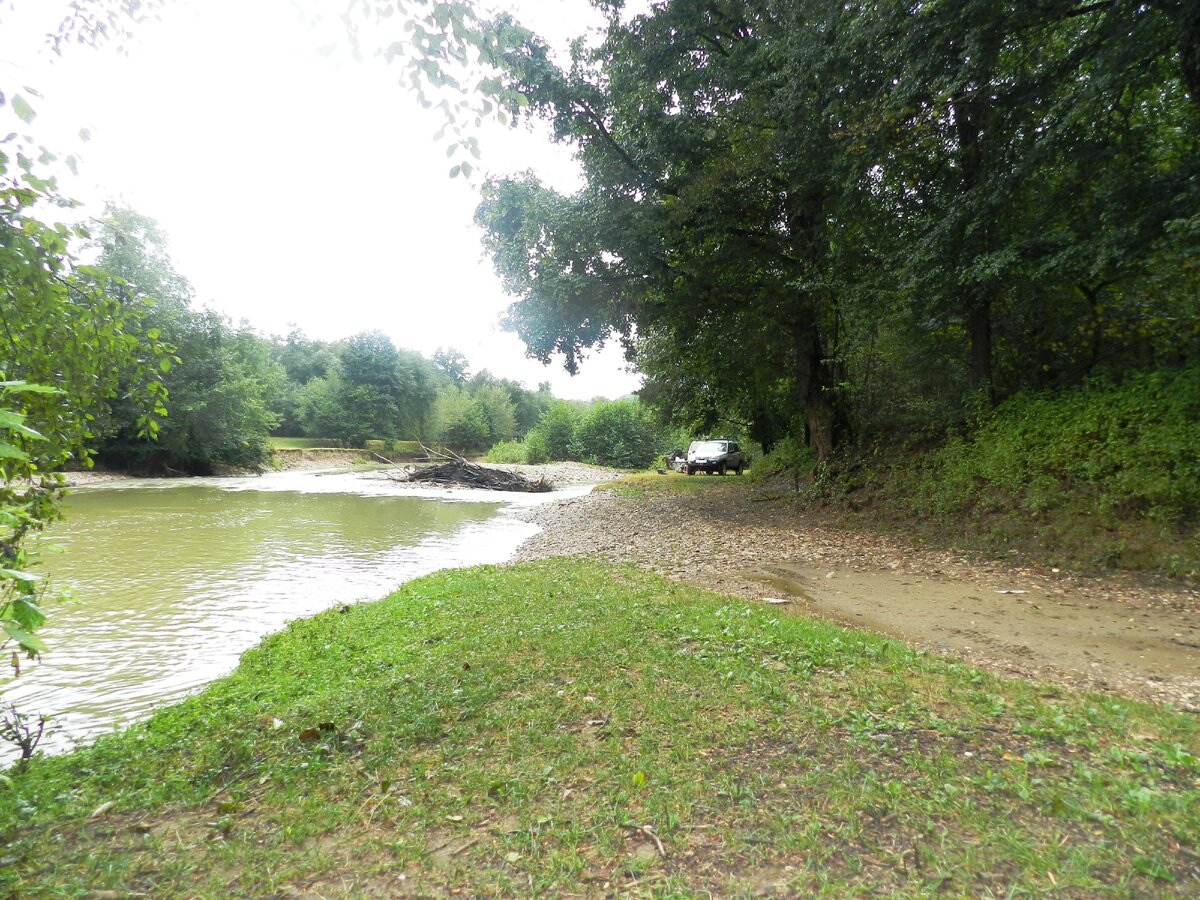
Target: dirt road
1113, 634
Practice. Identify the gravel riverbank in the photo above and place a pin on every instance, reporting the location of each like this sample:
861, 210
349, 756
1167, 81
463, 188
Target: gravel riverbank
1111, 634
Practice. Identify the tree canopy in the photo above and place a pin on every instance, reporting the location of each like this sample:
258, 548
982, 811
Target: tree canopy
838, 220
222, 380
69, 341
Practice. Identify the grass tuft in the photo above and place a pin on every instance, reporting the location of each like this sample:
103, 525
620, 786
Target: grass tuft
638, 484
295, 443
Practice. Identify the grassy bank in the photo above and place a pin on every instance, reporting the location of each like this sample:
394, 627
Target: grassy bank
567, 727
1097, 478
295, 443
1104, 476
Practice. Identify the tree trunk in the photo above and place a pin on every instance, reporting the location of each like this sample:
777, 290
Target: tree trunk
814, 390
978, 304
1185, 16
979, 327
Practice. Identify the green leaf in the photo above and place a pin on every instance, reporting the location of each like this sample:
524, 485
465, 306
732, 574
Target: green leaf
24, 638
24, 111
11, 421
8, 451
454, 171
19, 575
27, 614
24, 387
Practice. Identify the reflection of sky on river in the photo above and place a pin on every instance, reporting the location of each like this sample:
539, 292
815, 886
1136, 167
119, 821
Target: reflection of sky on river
177, 577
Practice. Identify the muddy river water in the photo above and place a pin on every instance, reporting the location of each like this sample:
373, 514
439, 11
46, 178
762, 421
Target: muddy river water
173, 579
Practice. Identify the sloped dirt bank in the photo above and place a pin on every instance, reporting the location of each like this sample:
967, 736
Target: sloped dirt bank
1112, 634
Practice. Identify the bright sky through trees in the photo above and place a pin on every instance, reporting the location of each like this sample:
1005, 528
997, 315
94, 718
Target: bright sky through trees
295, 187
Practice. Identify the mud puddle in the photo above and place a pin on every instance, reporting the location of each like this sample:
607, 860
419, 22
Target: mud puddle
1050, 635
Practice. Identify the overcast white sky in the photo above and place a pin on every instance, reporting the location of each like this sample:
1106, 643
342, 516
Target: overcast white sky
295, 187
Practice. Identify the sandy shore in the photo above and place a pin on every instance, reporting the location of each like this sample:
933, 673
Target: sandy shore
559, 474
1112, 634
84, 479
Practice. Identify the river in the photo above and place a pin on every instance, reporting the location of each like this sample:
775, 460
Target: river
173, 579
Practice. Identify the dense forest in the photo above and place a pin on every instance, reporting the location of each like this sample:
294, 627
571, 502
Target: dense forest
227, 390
852, 223
944, 257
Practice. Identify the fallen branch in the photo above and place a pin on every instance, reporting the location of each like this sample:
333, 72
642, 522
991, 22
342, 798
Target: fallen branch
649, 832
384, 459
455, 471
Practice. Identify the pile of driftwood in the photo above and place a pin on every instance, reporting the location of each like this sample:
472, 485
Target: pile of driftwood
451, 470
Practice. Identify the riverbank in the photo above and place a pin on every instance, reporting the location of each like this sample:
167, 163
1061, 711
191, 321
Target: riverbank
1117, 634
286, 459
575, 728
558, 474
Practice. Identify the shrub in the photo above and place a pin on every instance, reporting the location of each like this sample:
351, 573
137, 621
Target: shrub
495, 408
787, 458
536, 450
617, 433
407, 449
506, 452
1129, 450
458, 422
556, 430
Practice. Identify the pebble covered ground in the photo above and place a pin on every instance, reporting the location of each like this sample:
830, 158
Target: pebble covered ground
1131, 637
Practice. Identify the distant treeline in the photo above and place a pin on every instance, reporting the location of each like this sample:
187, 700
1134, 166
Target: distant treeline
230, 388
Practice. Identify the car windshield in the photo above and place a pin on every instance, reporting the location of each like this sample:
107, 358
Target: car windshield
709, 447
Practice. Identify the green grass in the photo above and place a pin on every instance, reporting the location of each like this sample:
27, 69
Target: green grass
506, 452
291, 443
542, 729
640, 483
407, 449
1098, 477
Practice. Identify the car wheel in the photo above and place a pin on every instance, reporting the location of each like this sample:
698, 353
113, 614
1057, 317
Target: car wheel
721, 471
688, 470
740, 468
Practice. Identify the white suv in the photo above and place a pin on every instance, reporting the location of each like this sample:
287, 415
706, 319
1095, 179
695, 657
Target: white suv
715, 456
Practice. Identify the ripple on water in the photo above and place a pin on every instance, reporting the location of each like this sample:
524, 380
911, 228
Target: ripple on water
175, 579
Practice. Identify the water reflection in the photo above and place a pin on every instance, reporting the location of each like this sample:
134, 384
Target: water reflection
176, 578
